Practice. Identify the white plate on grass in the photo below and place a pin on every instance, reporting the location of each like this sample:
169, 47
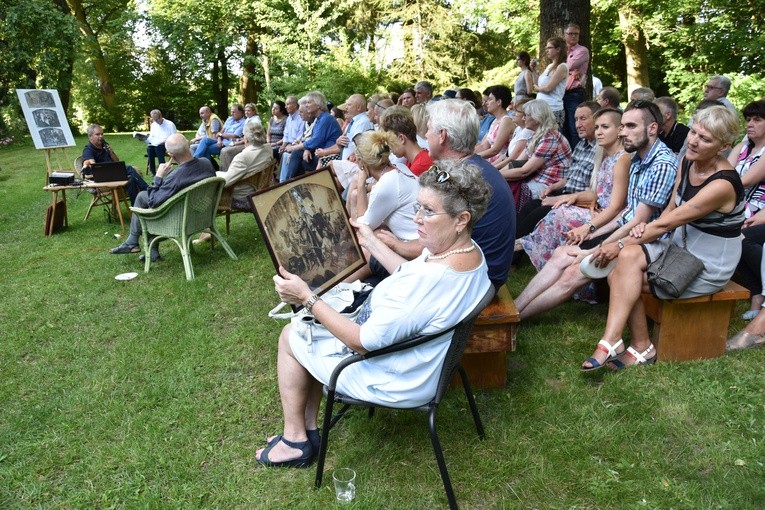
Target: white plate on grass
590, 270
125, 276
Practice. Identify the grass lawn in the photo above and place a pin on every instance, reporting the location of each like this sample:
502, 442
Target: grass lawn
156, 392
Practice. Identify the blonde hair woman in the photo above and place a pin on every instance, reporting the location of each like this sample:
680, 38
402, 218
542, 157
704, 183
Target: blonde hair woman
420, 116
568, 223
549, 155
393, 190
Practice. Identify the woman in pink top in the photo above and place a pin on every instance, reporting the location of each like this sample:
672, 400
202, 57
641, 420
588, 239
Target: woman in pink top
494, 144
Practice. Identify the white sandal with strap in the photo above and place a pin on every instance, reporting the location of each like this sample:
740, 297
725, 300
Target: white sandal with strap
608, 349
640, 358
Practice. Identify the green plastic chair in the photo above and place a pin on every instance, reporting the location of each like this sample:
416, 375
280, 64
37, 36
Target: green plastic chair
188, 212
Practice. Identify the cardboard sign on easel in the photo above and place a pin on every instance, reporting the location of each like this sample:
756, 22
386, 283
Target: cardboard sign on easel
48, 126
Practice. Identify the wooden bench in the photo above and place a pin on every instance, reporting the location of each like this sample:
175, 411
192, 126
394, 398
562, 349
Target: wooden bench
694, 328
491, 337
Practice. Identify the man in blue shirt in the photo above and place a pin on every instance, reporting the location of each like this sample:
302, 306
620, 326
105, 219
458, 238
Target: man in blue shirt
452, 134
325, 133
98, 151
232, 130
293, 131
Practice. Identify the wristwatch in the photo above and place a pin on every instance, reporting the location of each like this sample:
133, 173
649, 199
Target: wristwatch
592, 227
311, 301
620, 244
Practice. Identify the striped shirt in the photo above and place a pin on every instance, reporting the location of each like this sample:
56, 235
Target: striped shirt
651, 181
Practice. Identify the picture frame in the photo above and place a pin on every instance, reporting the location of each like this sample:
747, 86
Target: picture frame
307, 231
45, 118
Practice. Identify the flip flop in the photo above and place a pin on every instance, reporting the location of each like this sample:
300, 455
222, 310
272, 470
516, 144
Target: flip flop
639, 357
750, 314
744, 340
608, 349
155, 257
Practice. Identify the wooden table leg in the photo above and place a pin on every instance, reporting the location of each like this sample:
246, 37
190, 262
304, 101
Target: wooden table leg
117, 205
66, 212
54, 195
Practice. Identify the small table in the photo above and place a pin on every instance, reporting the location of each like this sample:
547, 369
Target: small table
114, 187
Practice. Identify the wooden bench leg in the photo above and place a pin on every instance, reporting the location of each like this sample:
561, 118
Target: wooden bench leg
676, 337
486, 369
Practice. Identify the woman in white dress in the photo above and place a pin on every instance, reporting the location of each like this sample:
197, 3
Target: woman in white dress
427, 295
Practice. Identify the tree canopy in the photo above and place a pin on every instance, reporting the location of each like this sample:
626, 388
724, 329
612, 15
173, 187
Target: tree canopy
115, 60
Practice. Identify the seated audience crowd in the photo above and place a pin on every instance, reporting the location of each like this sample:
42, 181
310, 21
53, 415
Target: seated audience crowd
438, 187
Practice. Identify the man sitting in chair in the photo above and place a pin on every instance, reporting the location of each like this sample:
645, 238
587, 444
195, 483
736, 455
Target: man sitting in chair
256, 157
160, 129
232, 130
98, 151
166, 183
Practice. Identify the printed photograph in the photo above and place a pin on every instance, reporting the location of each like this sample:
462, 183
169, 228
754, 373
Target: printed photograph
307, 230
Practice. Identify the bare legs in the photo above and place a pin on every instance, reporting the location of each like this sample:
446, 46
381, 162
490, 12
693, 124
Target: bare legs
301, 397
627, 282
554, 284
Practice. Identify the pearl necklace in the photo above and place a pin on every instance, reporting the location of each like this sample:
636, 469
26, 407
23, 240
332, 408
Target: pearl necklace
451, 252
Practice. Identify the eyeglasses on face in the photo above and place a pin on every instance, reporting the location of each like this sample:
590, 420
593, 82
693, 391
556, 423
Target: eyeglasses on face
424, 211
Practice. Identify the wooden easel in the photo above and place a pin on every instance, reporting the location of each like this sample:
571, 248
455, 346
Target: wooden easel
58, 153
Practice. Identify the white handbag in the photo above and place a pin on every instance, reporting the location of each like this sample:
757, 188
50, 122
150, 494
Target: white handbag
338, 297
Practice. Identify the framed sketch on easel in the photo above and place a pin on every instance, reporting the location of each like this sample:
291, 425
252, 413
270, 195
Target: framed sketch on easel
45, 118
306, 229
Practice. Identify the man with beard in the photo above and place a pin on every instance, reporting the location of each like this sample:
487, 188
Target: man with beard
651, 181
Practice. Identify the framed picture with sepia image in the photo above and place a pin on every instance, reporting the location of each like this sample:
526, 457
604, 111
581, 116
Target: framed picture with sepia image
306, 229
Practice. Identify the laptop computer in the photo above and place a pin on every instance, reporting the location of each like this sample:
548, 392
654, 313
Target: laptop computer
109, 172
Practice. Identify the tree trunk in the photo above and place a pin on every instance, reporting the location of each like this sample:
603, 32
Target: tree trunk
635, 49
225, 82
215, 82
65, 73
250, 87
554, 15
105, 85
266, 64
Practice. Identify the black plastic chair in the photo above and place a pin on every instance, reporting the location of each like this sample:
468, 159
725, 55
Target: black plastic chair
452, 364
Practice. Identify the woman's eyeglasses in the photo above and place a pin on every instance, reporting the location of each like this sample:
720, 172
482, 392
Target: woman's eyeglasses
424, 211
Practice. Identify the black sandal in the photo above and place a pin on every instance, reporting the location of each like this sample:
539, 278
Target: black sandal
303, 461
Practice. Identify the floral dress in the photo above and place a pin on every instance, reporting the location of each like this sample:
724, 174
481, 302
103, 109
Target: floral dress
549, 232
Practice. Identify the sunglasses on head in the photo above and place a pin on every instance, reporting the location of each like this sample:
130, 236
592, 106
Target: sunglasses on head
642, 104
